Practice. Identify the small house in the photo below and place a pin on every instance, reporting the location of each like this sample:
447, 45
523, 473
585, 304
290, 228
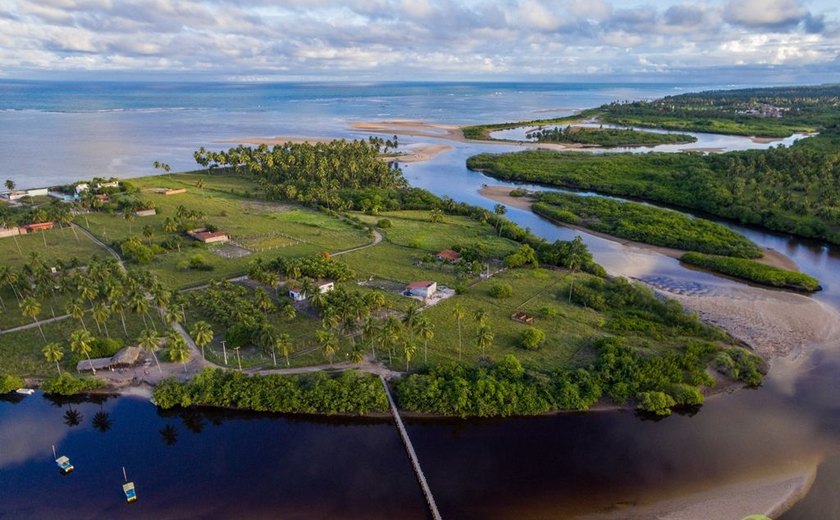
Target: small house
448, 255
296, 292
35, 227
151, 212
422, 289
82, 186
17, 195
208, 237
324, 286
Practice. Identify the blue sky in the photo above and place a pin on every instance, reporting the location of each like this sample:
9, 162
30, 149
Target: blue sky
539, 40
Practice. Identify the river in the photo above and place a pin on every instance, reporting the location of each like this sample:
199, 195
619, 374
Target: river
228, 465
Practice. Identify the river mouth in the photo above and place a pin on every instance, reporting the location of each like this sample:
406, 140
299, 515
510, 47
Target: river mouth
545, 467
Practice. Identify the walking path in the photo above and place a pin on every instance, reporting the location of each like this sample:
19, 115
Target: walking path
35, 324
377, 238
427, 492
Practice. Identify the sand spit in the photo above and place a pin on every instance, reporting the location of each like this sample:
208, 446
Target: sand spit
411, 128
502, 194
770, 496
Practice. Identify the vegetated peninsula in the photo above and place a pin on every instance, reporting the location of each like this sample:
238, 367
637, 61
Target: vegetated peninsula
606, 137
319, 257
788, 189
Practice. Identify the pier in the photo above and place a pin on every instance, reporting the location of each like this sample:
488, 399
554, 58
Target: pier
418, 471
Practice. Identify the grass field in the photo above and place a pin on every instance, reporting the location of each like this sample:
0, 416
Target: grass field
60, 244
20, 352
265, 229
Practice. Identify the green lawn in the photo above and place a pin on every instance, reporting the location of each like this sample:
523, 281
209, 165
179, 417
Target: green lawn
20, 352
266, 229
60, 244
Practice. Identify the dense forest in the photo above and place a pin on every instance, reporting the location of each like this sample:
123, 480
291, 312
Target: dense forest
643, 223
312, 173
606, 137
754, 271
789, 189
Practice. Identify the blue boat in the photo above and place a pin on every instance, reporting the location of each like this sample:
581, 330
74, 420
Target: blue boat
128, 489
63, 463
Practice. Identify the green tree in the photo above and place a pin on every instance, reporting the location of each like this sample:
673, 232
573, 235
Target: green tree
202, 334
532, 338
458, 313
81, 342
499, 210
54, 354
31, 308
283, 345
179, 351
484, 339
150, 342
426, 332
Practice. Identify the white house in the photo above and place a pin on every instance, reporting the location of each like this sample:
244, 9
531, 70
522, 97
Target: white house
17, 195
423, 289
297, 294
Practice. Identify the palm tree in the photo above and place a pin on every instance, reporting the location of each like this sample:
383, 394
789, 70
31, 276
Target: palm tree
328, 341
499, 210
179, 352
118, 305
128, 215
10, 184
577, 255
139, 305
484, 338
66, 219
459, 314
174, 315
200, 185
101, 313
481, 317
370, 329
202, 334
150, 342
425, 331
31, 308
76, 309
409, 348
283, 344
72, 417
389, 335
80, 343
54, 353
147, 233
266, 337
101, 421
169, 435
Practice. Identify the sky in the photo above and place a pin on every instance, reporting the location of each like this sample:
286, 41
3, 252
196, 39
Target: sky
782, 41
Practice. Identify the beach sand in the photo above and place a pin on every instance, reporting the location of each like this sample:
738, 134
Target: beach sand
769, 495
773, 322
411, 128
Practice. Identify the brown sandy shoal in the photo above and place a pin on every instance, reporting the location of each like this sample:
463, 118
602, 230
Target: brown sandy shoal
502, 194
769, 495
411, 128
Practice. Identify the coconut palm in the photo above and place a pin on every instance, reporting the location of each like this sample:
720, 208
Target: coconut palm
102, 421
425, 331
101, 313
459, 314
484, 338
118, 305
138, 304
150, 342
266, 337
76, 309
283, 345
202, 334
409, 348
328, 341
54, 354
499, 210
179, 352
81, 343
173, 314
481, 317
370, 330
389, 335
31, 308
575, 259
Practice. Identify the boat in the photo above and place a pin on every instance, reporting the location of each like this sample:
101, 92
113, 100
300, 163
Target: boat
25, 391
63, 463
128, 489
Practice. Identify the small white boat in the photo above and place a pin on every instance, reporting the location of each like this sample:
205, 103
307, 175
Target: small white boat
63, 463
25, 391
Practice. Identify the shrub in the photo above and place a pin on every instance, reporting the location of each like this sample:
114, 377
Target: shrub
66, 384
754, 272
501, 290
199, 263
518, 192
383, 223
532, 338
658, 403
10, 383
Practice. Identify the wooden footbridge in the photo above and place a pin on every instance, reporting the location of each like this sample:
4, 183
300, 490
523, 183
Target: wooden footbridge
418, 471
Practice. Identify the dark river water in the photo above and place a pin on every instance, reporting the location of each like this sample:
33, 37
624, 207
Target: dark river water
211, 464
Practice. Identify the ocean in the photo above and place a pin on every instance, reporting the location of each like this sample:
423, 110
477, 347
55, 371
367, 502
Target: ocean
54, 133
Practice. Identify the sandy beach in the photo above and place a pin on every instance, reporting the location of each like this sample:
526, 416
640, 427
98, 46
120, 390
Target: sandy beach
768, 495
411, 128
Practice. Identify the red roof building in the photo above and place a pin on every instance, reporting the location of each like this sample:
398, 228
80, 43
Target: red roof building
37, 226
448, 255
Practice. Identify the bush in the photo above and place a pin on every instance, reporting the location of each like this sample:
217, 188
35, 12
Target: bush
518, 192
501, 290
532, 338
66, 384
754, 272
658, 403
103, 347
196, 262
10, 383
383, 223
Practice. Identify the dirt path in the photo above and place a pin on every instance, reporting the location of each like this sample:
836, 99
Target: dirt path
377, 238
34, 324
368, 365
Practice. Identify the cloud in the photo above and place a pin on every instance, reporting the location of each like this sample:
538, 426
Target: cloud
426, 38
765, 14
